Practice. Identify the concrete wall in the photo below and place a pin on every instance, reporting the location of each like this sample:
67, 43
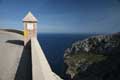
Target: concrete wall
40, 66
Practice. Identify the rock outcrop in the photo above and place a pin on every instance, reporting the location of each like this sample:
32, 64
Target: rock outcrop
95, 58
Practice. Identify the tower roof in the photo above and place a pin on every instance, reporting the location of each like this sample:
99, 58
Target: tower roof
29, 18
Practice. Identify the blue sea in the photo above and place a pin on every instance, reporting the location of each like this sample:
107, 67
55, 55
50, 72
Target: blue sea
54, 46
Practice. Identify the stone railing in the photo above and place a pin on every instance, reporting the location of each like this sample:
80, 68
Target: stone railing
40, 66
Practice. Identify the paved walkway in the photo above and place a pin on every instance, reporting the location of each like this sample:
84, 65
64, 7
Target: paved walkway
16, 62
11, 49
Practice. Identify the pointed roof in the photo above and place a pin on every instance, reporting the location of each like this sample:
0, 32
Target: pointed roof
29, 17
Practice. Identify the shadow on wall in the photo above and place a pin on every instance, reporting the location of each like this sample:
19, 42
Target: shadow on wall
24, 71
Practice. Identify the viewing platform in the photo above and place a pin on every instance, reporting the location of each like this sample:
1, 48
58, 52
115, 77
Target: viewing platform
19, 62
22, 57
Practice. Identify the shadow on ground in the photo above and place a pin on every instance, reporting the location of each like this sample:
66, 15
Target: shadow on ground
17, 42
14, 30
24, 71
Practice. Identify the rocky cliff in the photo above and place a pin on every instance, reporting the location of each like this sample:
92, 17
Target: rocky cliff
95, 58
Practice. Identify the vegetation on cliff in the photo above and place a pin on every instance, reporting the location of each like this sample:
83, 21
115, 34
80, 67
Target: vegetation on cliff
93, 58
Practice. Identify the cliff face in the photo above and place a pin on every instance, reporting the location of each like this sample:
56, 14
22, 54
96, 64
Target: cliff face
95, 58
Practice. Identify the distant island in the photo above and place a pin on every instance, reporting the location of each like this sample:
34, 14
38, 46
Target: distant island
95, 58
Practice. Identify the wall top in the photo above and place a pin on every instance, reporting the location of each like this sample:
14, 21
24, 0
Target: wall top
30, 18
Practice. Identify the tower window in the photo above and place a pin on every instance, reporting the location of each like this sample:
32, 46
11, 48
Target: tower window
30, 26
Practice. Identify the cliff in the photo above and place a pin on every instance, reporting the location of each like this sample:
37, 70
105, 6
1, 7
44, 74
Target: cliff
95, 58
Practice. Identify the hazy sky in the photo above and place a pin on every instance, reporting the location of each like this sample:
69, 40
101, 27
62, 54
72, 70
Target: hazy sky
63, 16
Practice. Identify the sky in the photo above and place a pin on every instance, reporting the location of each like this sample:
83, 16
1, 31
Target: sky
63, 16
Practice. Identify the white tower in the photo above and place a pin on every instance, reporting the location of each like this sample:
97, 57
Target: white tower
30, 27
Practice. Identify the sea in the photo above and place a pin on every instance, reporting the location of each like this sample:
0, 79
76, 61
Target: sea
54, 46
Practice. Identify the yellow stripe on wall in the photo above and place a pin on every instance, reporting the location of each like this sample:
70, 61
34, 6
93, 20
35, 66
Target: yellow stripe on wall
25, 33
